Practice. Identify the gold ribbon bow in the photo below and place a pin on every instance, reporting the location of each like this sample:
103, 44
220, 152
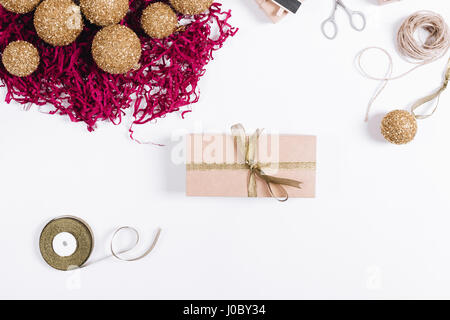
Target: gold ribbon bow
432, 96
247, 146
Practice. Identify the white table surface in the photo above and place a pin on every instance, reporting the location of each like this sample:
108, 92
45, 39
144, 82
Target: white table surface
379, 227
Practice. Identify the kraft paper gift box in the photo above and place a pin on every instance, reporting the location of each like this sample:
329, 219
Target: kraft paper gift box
215, 167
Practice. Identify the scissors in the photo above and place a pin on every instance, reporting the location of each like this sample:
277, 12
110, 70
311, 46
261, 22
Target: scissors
351, 14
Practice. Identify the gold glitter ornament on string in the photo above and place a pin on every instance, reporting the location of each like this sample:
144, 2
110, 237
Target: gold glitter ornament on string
399, 127
191, 7
159, 20
19, 6
116, 49
20, 58
58, 22
104, 12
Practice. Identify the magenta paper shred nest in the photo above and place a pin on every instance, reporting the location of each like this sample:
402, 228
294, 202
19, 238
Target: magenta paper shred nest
70, 81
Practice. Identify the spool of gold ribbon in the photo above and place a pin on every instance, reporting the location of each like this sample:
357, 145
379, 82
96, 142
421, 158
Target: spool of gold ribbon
84, 237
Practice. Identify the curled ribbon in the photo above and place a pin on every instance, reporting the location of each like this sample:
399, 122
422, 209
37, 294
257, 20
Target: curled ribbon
247, 146
117, 255
432, 96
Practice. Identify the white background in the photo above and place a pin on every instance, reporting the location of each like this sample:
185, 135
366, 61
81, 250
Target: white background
379, 227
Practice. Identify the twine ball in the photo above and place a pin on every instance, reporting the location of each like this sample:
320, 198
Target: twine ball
159, 20
58, 22
399, 127
19, 6
191, 7
116, 49
104, 12
20, 58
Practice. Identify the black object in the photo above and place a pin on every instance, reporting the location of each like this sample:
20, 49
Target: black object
289, 5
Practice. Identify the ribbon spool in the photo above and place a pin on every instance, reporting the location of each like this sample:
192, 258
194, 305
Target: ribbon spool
83, 235
66, 243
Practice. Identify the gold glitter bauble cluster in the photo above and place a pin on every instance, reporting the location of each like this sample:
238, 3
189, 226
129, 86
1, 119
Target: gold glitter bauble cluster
58, 22
191, 7
116, 49
20, 58
19, 6
104, 12
159, 20
399, 127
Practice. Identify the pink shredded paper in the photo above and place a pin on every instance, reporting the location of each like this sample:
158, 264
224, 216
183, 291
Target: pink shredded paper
69, 80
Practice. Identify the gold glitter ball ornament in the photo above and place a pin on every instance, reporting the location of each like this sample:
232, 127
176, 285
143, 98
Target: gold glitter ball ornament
116, 49
191, 7
19, 6
399, 127
104, 12
58, 22
20, 58
159, 20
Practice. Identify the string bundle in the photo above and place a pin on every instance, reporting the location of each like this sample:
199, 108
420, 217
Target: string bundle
435, 46
411, 48
69, 80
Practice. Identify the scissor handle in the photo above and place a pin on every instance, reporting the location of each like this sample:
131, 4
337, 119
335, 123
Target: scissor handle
352, 15
332, 22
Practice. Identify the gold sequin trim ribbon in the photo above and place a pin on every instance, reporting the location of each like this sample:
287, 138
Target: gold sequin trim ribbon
240, 166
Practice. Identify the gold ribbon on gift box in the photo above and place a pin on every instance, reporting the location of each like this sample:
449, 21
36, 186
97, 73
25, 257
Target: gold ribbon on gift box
247, 147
